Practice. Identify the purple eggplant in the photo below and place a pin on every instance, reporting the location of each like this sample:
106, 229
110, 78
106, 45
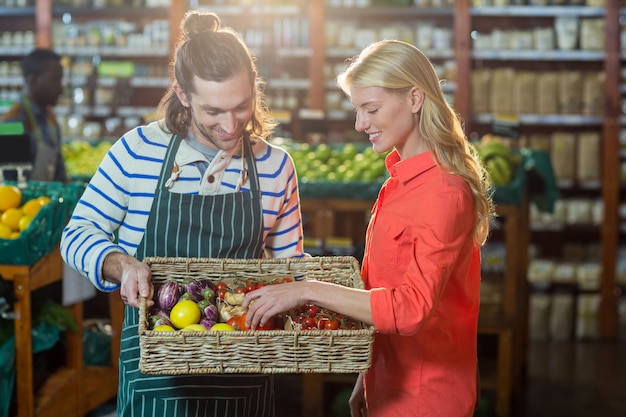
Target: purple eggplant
210, 311
168, 295
207, 323
199, 290
158, 318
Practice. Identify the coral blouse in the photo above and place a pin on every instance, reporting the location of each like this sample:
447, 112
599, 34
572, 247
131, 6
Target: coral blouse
424, 268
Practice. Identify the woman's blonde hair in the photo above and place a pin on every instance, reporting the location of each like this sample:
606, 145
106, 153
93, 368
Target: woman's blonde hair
211, 52
398, 66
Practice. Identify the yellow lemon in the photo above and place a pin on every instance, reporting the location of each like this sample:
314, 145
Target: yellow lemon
14, 235
184, 313
11, 218
32, 207
194, 328
43, 200
222, 327
24, 222
5, 231
10, 197
164, 328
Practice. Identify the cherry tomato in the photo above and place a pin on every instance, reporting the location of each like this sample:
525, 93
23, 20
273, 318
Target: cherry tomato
309, 323
221, 285
311, 310
332, 324
220, 293
241, 289
251, 286
321, 323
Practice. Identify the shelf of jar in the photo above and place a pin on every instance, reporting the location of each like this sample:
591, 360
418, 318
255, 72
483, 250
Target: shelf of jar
538, 55
537, 11
114, 50
390, 12
546, 119
252, 10
16, 11
344, 52
103, 110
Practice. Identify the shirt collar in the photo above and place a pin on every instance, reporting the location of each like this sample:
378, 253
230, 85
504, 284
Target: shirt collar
187, 154
405, 170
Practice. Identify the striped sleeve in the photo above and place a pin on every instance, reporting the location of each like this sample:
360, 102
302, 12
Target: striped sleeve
116, 201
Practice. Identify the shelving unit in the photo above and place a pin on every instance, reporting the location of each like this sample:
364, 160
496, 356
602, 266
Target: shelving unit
75, 389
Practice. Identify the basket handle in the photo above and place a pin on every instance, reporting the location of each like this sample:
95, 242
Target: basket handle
143, 316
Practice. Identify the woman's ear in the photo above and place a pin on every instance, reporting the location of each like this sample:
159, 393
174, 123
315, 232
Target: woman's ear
416, 97
181, 95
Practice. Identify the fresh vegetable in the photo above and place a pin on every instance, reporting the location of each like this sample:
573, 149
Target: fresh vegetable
196, 327
168, 295
184, 313
160, 317
199, 290
164, 328
207, 322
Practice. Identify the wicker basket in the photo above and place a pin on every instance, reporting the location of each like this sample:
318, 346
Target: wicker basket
254, 351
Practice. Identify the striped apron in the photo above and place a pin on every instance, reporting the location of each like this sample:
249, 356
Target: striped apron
188, 225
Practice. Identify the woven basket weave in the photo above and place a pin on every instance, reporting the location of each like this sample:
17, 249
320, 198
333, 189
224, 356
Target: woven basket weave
254, 351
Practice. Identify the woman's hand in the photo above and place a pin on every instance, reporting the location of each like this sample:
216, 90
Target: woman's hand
266, 302
357, 399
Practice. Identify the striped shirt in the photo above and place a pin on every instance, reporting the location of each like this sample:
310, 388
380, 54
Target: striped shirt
112, 214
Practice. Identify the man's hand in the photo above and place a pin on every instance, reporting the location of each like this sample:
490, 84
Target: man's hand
134, 276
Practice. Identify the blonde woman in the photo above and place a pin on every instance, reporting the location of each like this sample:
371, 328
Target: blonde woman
421, 264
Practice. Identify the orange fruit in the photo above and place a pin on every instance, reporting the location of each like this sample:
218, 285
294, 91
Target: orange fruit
10, 197
184, 313
11, 218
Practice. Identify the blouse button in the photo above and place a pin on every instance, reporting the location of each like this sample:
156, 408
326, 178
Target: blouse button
210, 179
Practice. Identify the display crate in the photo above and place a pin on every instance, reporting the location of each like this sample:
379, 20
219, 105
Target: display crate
44, 232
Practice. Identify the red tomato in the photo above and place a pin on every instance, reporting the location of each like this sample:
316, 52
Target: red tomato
220, 293
311, 310
221, 285
251, 286
322, 322
241, 289
332, 324
309, 323
267, 326
235, 322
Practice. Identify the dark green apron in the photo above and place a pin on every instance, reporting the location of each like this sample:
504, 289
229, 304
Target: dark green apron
191, 225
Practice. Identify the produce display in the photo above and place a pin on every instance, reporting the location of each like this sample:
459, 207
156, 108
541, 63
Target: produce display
202, 305
15, 214
341, 163
499, 159
82, 157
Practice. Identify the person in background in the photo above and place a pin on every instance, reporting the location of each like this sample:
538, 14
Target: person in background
421, 265
201, 181
43, 77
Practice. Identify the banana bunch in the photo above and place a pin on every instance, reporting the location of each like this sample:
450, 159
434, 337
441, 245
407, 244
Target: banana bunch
500, 161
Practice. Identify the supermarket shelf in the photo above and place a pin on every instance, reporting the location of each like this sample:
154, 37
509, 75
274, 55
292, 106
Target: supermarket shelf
539, 55
537, 11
